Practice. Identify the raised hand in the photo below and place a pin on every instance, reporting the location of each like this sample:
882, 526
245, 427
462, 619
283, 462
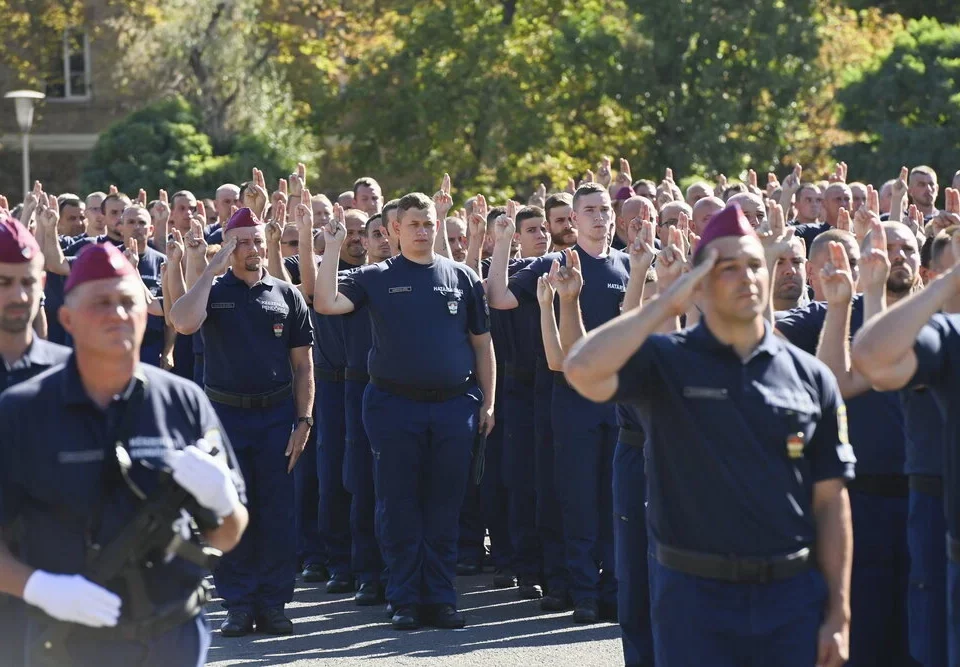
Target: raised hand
671, 262
545, 291
280, 195
161, 211
142, 197
112, 190
567, 280
175, 247
836, 276
863, 220
477, 223
839, 174
588, 178
273, 230
506, 225
201, 214
792, 182
843, 220
624, 177
874, 261
772, 183
303, 212
195, 242
335, 231
679, 295
221, 261
539, 198
752, 179
48, 215
571, 186
778, 241
131, 251
643, 251
721, 185
255, 194
604, 174
950, 215
442, 200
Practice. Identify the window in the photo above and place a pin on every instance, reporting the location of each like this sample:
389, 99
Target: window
69, 78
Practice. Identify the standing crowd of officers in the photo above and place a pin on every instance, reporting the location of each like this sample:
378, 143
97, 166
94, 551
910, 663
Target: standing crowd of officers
722, 418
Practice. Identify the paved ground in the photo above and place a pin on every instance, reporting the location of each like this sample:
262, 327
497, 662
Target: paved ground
501, 631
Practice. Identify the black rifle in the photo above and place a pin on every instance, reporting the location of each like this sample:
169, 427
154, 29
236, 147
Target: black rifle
152, 536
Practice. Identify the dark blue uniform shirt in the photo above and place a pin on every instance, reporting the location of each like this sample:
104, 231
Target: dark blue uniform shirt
357, 335
40, 356
722, 478
151, 348
422, 315
54, 470
329, 352
938, 354
923, 426
809, 231
876, 418
601, 299
249, 332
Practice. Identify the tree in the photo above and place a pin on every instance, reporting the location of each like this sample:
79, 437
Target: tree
944, 10
904, 106
31, 33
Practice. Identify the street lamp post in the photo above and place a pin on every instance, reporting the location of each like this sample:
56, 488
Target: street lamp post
24, 101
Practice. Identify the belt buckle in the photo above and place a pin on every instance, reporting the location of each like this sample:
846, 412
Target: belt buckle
752, 570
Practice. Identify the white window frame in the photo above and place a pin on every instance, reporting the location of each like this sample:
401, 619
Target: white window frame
68, 95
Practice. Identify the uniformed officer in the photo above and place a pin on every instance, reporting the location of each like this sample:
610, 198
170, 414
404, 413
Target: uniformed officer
914, 346
63, 494
24, 353
585, 433
366, 561
422, 409
747, 457
259, 373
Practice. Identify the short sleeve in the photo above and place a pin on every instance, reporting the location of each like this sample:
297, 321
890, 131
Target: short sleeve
478, 311
931, 347
802, 326
215, 436
830, 452
353, 285
292, 265
639, 374
523, 283
301, 333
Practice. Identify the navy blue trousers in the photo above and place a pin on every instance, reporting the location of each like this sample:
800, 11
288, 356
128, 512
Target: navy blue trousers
421, 457
365, 559
259, 573
630, 540
927, 595
310, 547
879, 582
519, 478
184, 646
556, 578
584, 470
334, 499
700, 621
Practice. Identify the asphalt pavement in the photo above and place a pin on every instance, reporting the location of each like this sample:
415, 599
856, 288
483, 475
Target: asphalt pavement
502, 630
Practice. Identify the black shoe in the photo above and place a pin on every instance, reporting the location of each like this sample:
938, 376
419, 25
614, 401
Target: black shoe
368, 595
237, 624
530, 589
504, 578
555, 601
389, 610
444, 616
313, 574
609, 612
274, 622
467, 569
406, 618
340, 584
586, 611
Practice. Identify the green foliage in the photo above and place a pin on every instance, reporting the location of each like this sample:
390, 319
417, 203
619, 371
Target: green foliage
905, 106
160, 146
944, 10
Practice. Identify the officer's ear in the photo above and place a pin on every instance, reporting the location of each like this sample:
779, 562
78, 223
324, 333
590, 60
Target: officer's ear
65, 315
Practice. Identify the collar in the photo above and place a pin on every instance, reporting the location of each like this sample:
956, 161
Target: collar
75, 394
265, 279
36, 354
704, 338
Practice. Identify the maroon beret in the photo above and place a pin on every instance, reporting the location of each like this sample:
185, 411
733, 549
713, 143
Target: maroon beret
244, 217
17, 244
729, 222
624, 193
98, 261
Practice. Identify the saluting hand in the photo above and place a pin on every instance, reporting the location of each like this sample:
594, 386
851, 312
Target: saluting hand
671, 262
567, 280
836, 276
161, 210
303, 212
335, 231
221, 261
442, 200
679, 295
642, 250
255, 194
545, 291
131, 252
604, 173
506, 225
874, 260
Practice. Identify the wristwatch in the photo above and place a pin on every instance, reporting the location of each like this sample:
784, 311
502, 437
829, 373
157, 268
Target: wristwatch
308, 420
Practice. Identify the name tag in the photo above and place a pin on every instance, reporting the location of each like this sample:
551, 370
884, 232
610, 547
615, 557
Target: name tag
274, 307
619, 288
400, 290
83, 456
222, 305
711, 393
145, 447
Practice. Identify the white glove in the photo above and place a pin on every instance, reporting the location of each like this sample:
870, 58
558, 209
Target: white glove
205, 478
72, 598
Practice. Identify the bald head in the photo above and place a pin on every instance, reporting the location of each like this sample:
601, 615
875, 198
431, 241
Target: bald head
752, 207
698, 191
836, 196
703, 210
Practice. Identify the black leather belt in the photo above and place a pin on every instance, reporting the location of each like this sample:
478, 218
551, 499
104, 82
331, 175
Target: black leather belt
166, 619
932, 485
888, 486
525, 376
249, 401
329, 374
631, 437
733, 569
420, 394
953, 549
356, 375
